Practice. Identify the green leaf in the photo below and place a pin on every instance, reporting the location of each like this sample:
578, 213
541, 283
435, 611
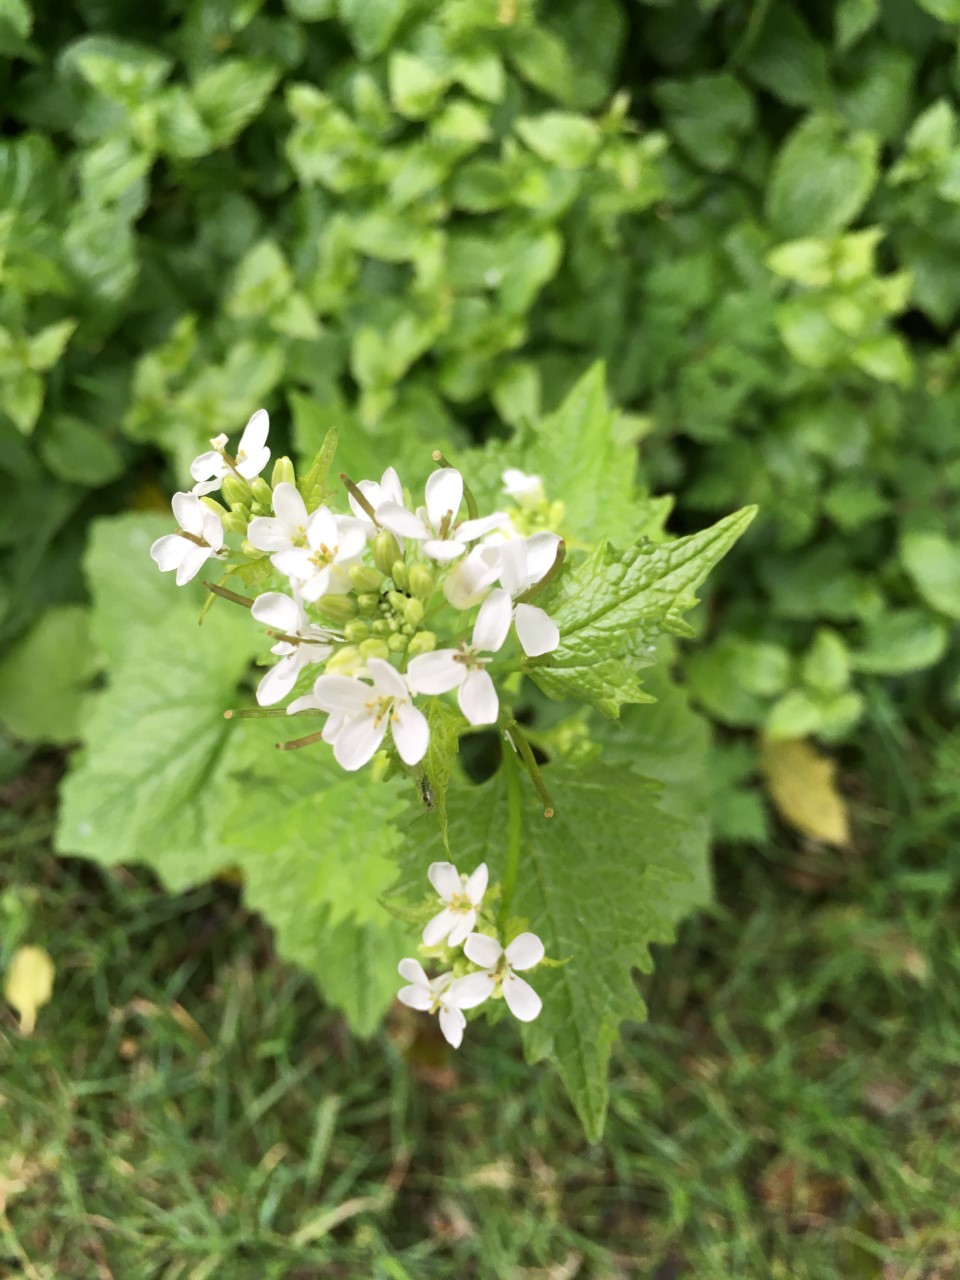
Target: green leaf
943, 10
852, 19
434, 771
231, 94
612, 606
788, 60
22, 399
416, 86
709, 115
933, 562
79, 453
46, 347
592, 883
43, 678
560, 137
822, 178
372, 24
826, 667
795, 715
901, 641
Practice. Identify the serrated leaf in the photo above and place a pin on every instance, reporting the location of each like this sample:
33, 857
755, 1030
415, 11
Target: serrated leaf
802, 785
28, 985
612, 606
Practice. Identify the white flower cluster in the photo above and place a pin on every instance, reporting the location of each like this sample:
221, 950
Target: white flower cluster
496, 966
377, 596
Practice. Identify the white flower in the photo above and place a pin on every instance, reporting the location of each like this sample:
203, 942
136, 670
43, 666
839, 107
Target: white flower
461, 897
526, 491
388, 490
320, 566
472, 577
464, 669
286, 529
200, 537
498, 968
430, 995
436, 524
367, 712
307, 644
210, 469
524, 561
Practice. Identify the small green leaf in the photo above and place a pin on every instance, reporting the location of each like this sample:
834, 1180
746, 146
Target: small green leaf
46, 347
933, 562
788, 60
710, 116
901, 641
822, 177
416, 85
826, 667
43, 678
560, 137
231, 94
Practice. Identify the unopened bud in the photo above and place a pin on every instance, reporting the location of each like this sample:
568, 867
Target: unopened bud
400, 575
386, 550
365, 578
283, 472
357, 630
236, 521
381, 627
421, 582
422, 642
397, 601
338, 609
374, 648
345, 661
407, 630
368, 603
235, 490
262, 492
398, 643
213, 505
413, 612
250, 551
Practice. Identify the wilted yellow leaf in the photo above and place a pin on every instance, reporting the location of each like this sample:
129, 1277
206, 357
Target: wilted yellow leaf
802, 785
29, 984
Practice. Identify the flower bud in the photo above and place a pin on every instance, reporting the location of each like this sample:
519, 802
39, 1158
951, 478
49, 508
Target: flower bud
398, 643
250, 551
407, 630
374, 648
421, 582
345, 661
381, 627
283, 472
213, 505
400, 575
396, 600
386, 550
235, 490
422, 642
339, 609
262, 492
412, 612
364, 578
357, 630
236, 521
368, 603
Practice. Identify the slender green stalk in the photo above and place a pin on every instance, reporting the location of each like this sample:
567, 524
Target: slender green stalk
511, 773
530, 763
229, 595
357, 493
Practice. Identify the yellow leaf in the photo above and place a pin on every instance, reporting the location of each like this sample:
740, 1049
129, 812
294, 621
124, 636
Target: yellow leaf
29, 984
802, 785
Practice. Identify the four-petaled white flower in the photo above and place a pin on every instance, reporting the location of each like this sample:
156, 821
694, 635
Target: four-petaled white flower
461, 897
471, 578
526, 491
286, 529
498, 968
464, 669
388, 490
524, 561
332, 543
210, 469
367, 713
200, 537
435, 526
432, 995
307, 644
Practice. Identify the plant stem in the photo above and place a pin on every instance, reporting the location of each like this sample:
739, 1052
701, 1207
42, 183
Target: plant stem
530, 763
224, 594
511, 773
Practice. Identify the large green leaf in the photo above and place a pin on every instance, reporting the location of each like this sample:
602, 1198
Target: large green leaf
822, 177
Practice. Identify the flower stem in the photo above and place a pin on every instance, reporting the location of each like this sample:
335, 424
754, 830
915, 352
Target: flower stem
296, 743
511, 773
530, 763
224, 594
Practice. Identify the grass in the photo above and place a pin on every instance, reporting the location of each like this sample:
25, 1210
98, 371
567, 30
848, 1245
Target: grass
188, 1108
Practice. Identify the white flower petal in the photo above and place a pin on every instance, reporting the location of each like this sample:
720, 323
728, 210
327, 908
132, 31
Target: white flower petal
188, 512
469, 581
341, 693
541, 553
254, 434
493, 621
445, 879
212, 529
513, 575
468, 992
435, 672
524, 489
387, 680
522, 1001
470, 530
413, 971
358, 741
410, 730
167, 552
353, 538
482, 950
525, 951
402, 522
390, 487
278, 681
289, 506
420, 998
444, 493
209, 466
295, 563
316, 586
322, 529
203, 487
478, 698
452, 1024
251, 466
194, 558
476, 886
437, 928
274, 609
466, 922
443, 552
305, 703
536, 630
334, 726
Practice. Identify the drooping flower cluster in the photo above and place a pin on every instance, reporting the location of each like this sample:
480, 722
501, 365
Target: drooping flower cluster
394, 602
492, 970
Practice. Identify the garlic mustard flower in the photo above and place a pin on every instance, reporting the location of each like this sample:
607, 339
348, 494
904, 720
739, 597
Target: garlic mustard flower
368, 712
524, 561
464, 669
435, 526
471, 578
431, 995
210, 469
388, 490
200, 537
461, 897
332, 543
307, 644
286, 529
526, 491
498, 968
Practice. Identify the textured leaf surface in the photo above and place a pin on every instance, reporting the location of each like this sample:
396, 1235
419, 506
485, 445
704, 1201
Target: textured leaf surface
613, 605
